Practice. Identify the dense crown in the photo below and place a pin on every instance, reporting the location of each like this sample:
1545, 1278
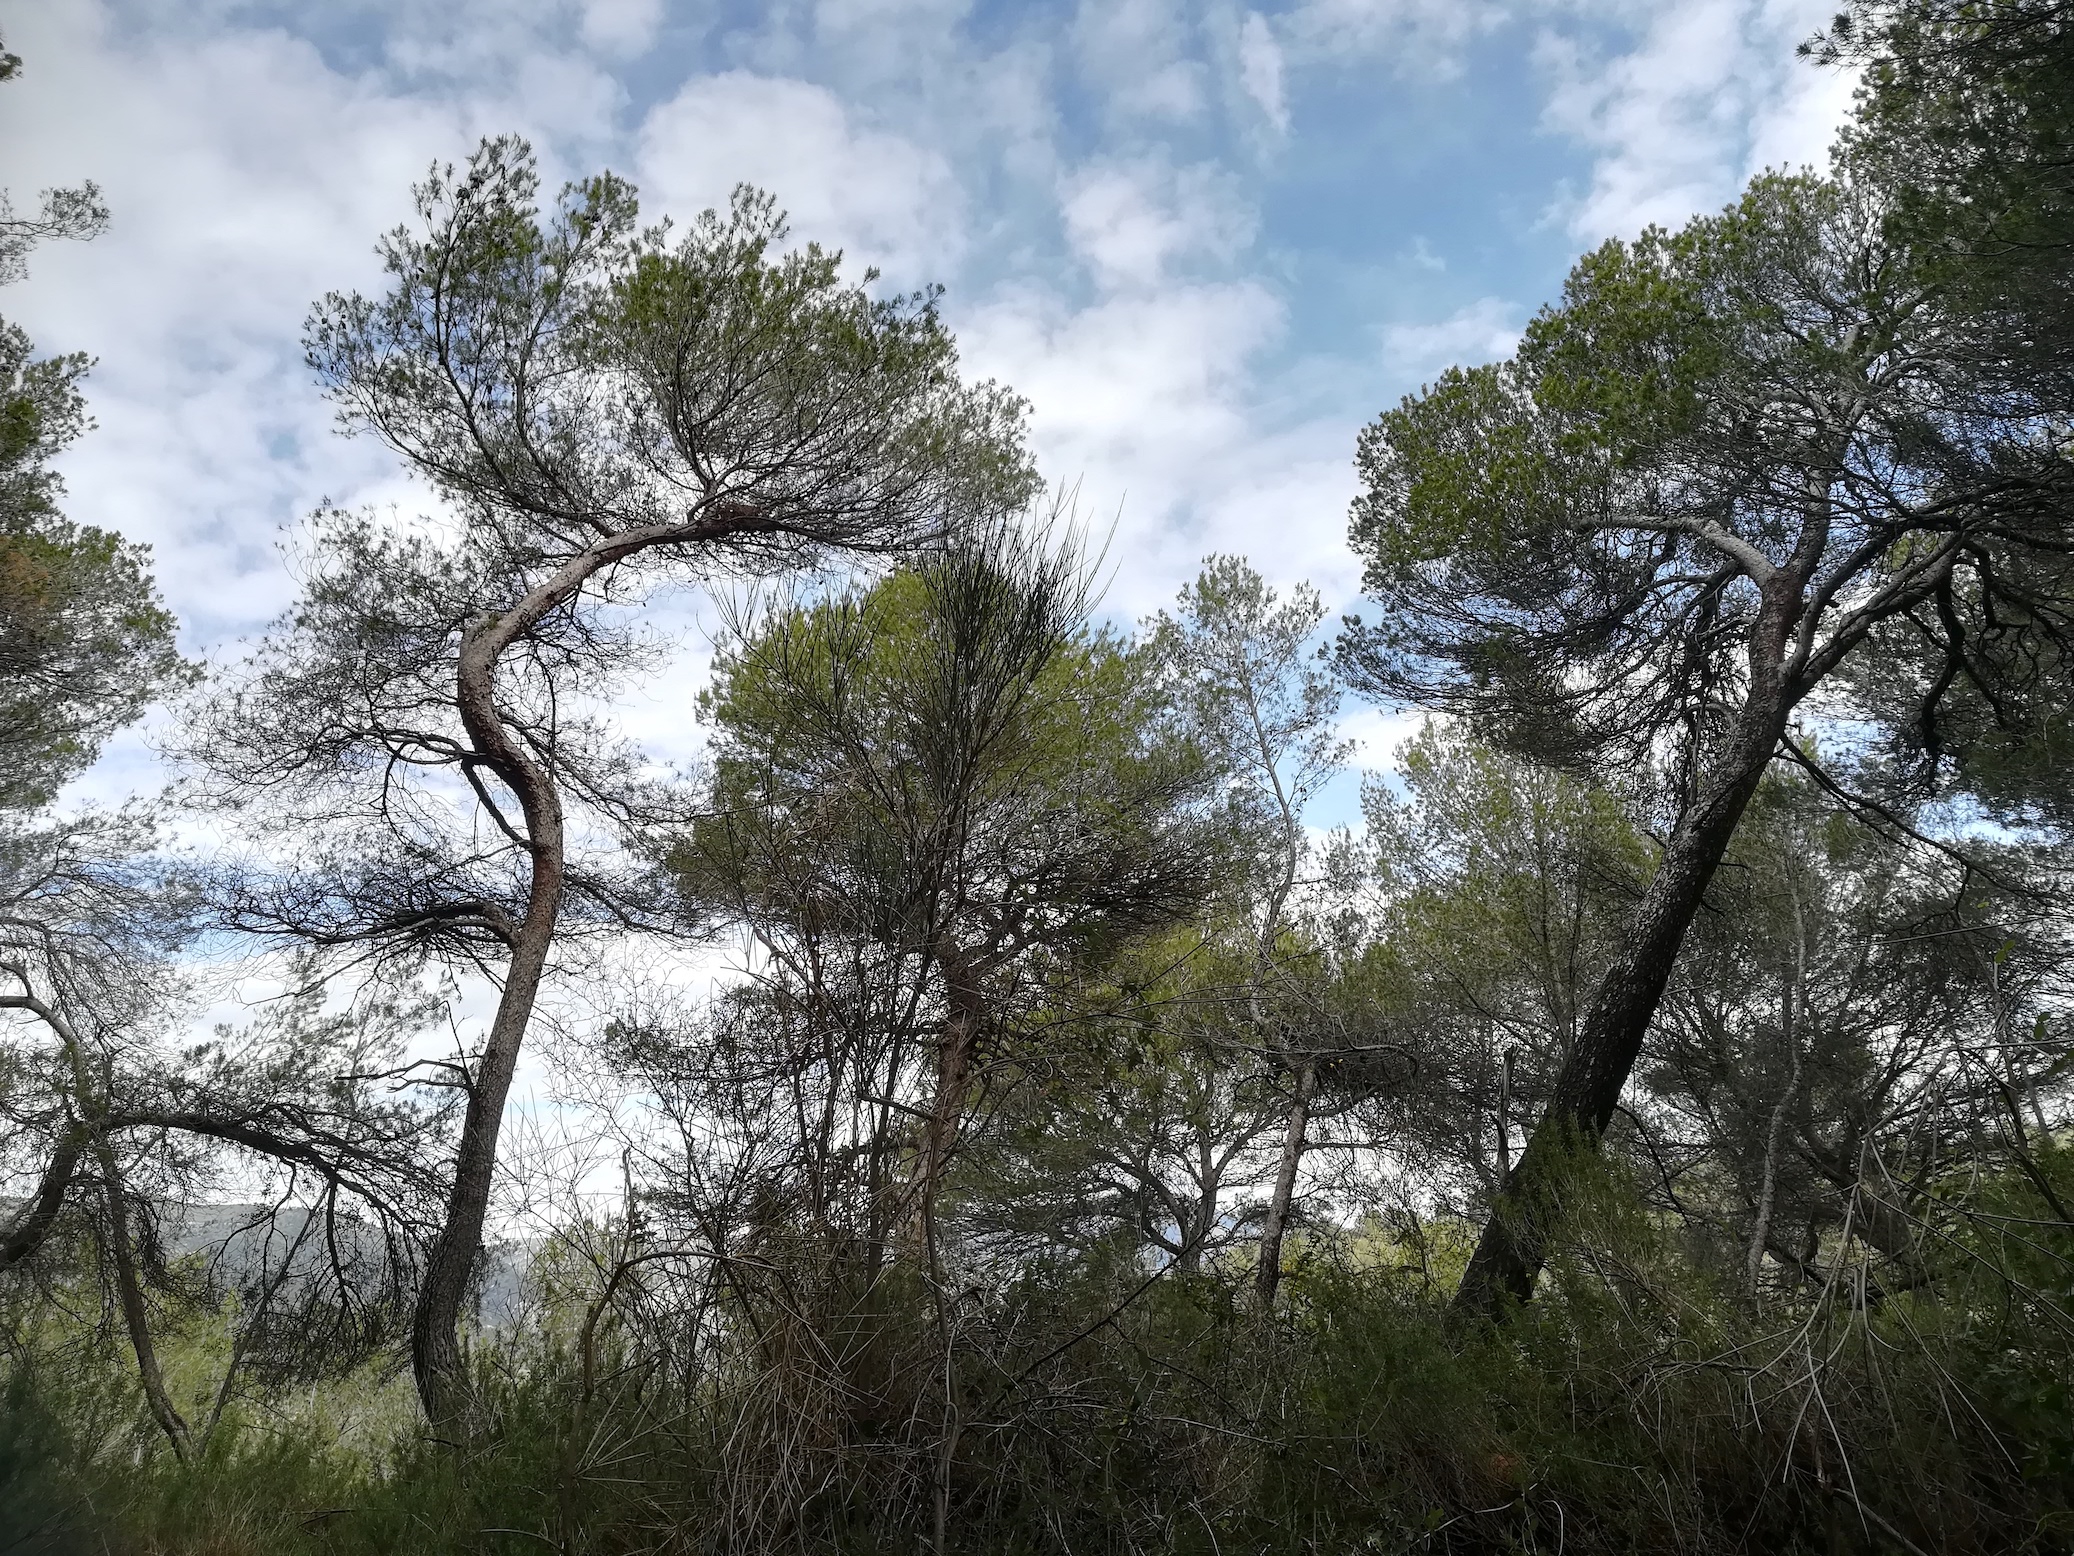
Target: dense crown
1574, 546
572, 379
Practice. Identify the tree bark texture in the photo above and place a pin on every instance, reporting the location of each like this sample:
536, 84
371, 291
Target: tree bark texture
963, 1022
436, 1362
1793, 1011
1269, 1274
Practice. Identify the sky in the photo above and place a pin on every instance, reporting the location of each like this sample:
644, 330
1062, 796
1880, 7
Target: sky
1207, 242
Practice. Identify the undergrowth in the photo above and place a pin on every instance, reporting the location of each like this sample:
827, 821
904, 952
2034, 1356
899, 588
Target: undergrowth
1633, 1407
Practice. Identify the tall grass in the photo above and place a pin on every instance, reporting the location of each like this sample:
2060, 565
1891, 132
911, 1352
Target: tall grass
1634, 1407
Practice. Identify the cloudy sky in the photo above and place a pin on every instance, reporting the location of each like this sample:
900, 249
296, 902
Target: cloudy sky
1208, 242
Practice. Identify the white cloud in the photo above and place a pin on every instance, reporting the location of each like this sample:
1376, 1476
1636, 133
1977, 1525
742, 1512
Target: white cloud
1132, 221
1483, 331
882, 199
621, 27
1260, 69
250, 173
1710, 94
246, 179
1151, 404
917, 63
1379, 734
1161, 376
1279, 498
854, 18
1795, 126
1143, 400
1137, 52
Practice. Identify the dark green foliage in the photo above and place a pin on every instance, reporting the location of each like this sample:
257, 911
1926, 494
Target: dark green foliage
1772, 464
1967, 115
950, 752
40, 1501
1571, 547
573, 378
1968, 111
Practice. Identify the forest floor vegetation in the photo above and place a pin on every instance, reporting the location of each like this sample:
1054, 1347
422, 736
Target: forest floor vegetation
1635, 1406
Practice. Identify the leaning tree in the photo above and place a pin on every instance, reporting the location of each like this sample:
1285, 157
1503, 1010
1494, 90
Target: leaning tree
1728, 463
606, 412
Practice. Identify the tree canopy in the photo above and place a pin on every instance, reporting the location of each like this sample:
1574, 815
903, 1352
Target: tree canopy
970, 1098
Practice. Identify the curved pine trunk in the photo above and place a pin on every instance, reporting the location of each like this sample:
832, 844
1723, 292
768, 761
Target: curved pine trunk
437, 1365
136, 1318
436, 1361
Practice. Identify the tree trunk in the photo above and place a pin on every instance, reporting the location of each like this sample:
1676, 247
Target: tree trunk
25, 1232
436, 1361
1794, 1009
1505, 1118
131, 1292
963, 1023
1208, 1181
1269, 1275
31, 1224
954, 1054
1514, 1243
